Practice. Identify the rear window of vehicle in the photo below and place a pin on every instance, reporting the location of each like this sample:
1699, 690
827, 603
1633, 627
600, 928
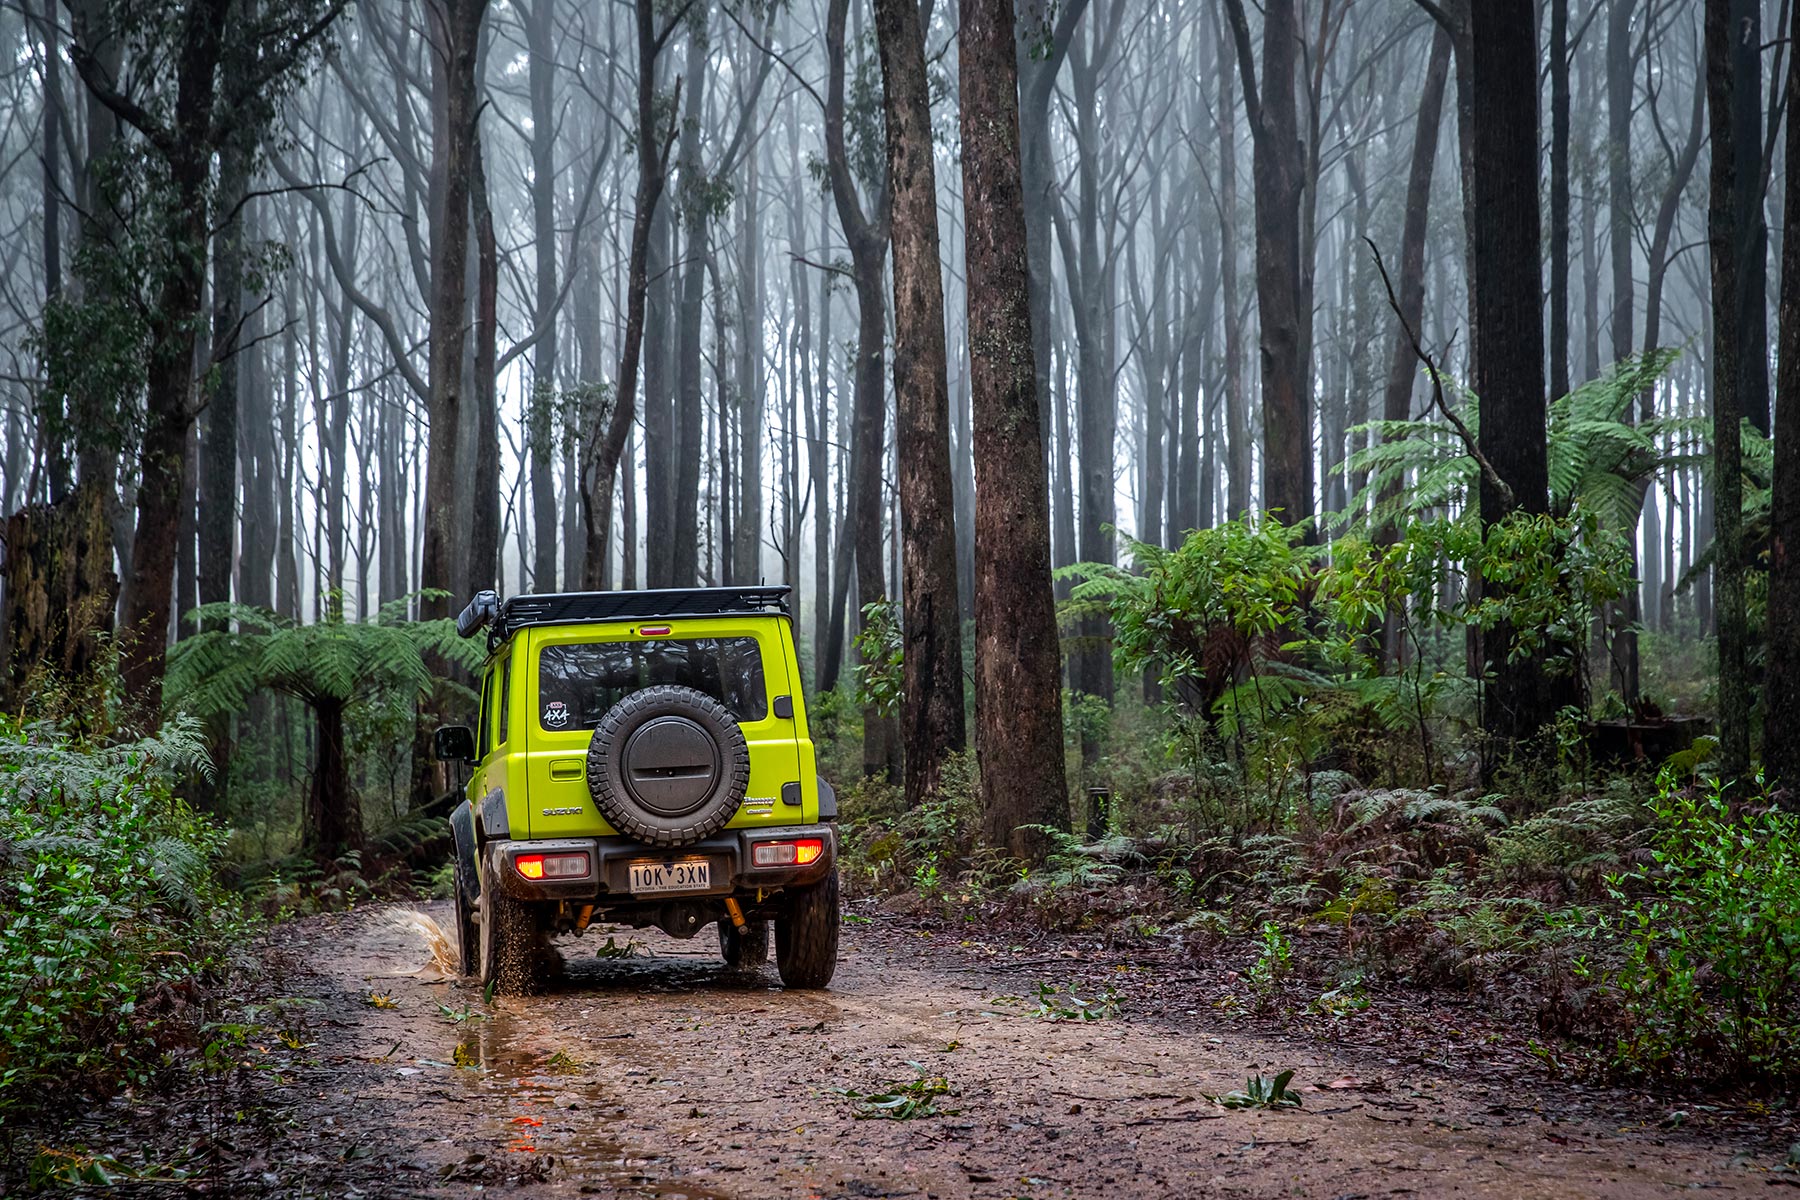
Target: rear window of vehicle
578, 683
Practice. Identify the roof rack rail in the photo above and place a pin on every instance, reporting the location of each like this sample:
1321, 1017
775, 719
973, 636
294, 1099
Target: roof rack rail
501, 619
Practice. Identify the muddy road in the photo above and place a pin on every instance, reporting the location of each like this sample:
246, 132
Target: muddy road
656, 1072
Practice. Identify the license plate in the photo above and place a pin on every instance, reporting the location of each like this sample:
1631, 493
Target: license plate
685, 875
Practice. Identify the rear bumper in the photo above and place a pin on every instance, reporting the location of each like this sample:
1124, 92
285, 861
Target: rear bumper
610, 859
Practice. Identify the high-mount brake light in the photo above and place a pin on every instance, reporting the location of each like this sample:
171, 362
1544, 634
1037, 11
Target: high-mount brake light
787, 854
551, 866
653, 631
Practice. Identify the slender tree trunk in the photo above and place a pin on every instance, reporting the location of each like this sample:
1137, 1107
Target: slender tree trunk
605, 441
484, 533
867, 235
1018, 707
1403, 365
1559, 197
1781, 689
1732, 39
683, 551
540, 31
931, 719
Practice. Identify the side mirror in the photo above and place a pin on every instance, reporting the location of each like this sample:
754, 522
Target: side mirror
454, 743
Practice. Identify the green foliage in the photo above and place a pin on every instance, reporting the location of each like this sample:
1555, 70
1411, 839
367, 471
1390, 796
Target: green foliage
242, 649
1063, 1003
1272, 964
1260, 1091
1711, 935
108, 906
1598, 459
881, 667
901, 1100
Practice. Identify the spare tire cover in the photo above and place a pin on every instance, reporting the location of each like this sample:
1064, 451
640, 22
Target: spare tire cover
668, 765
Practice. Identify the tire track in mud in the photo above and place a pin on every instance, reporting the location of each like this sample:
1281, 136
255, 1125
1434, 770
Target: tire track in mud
672, 1076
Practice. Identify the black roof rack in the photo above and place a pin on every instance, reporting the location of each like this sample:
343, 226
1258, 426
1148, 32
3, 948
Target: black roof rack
573, 608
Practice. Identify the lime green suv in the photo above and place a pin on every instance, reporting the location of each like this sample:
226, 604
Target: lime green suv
641, 758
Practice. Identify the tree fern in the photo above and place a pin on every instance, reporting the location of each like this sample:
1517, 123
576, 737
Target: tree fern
330, 665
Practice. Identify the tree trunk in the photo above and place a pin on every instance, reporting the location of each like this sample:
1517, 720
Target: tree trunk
683, 552
1733, 73
1621, 227
455, 36
484, 532
867, 236
1558, 51
1521, 699
1018, 704
1781, 689
605, 441
931, 718
1403, 364
1277, 179
334, 817
540, 32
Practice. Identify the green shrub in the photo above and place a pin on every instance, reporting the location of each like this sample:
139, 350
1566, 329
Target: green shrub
1710, 981
109, 912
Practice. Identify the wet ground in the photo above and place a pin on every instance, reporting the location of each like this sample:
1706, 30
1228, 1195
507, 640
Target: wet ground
653, 1071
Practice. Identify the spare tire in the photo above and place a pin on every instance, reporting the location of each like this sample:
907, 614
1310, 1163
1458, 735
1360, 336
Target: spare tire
668, 765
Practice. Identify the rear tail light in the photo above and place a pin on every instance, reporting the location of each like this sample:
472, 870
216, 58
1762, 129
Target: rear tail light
551, 866
787, 854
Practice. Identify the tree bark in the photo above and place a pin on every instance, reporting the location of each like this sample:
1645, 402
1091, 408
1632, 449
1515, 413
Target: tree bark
608, 431
931, 718
1018, 703
455, 35
483, 569
1781, 689
1277, 179
867, 236
540, 33
1558, 51
1732, 37
1520, 698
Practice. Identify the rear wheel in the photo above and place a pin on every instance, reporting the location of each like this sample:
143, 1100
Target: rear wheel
744, 951
508, 941
806, 935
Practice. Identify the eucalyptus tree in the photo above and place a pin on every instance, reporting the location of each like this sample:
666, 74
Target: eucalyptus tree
189, 84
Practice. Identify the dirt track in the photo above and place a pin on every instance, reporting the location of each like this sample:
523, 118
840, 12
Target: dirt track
669, 1076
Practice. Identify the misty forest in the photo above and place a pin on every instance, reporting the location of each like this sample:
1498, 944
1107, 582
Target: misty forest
1285, 509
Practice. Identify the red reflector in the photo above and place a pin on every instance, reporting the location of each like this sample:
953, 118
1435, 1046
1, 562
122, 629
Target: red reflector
654, 631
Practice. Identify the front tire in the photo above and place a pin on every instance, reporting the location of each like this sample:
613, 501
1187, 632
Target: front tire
806, 935
744, 952
508, 939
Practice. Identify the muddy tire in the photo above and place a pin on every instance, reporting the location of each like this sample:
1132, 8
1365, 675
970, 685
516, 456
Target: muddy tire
509, 941
468, 930
806, 935
668, 765
744, 952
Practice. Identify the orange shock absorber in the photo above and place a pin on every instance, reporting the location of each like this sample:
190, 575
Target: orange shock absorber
737, 915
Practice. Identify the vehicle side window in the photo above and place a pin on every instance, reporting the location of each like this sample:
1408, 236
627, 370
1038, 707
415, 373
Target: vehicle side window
484, 725
577, 684
502, 696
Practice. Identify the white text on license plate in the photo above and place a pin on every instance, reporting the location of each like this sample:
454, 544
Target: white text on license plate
687, 875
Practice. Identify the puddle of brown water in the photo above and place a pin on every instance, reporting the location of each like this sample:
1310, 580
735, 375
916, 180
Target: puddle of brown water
546, 1107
